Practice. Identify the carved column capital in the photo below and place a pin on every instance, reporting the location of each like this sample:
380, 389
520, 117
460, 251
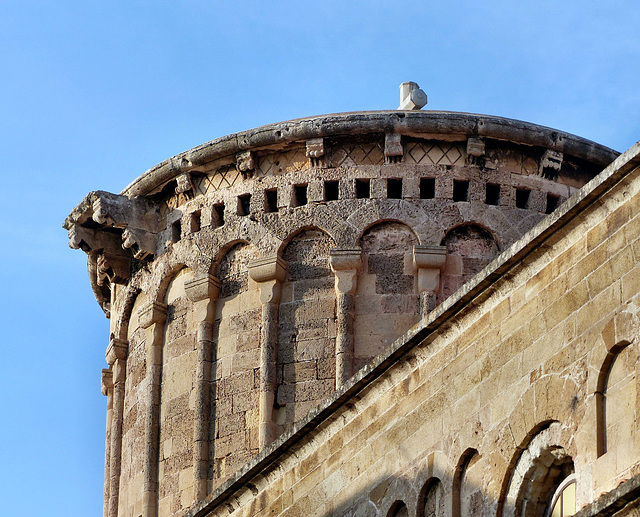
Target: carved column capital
345, 258
153, 312
117, 349
268, 268
202, 288
106, 381
429, 260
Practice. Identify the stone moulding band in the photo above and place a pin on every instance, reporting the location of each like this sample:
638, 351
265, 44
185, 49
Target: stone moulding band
426, 124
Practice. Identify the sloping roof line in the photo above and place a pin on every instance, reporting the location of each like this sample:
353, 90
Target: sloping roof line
479, 285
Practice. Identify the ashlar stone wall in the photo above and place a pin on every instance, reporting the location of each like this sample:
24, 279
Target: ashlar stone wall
505, 391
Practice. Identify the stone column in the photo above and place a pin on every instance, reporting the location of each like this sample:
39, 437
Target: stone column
117, 359
106, 387
203, 292
152, 318
429, 260
346, 263
269, 273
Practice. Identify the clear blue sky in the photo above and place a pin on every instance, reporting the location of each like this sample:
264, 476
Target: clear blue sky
93, 93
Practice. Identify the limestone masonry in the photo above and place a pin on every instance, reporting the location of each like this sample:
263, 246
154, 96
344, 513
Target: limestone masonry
394, 313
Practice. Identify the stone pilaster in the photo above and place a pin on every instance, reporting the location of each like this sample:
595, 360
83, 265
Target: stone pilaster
152, 319
269, 273
346, 264
429, 261
203, 292
117, 360
106, 387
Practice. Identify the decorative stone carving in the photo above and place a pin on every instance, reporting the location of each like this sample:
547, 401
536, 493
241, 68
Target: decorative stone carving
202, 288
117, 349
183, 183
315, 151
429, 261
246, 163
393, 150
475, 151
154, 312
113, 267
141, 243
550, 164
106, 381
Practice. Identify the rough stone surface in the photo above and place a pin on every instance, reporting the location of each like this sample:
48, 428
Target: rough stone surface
523, 375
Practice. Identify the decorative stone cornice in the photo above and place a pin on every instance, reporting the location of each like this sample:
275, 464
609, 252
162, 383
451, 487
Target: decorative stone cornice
117, 349
345, 258
153, 312
267, 268
202, 288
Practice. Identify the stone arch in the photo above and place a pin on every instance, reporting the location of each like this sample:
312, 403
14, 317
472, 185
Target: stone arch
470, 247
177, 415
386, 301
541, 466
372, 214
431, 500
311, 216
235, 366
130, 297
134, 407
305, 364
398, 509
616, 377
466, 493
616, 388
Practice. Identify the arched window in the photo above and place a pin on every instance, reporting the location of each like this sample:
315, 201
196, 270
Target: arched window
563, 503
398, 509
431, 501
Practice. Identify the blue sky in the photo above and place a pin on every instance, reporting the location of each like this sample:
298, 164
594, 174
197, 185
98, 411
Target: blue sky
94, 93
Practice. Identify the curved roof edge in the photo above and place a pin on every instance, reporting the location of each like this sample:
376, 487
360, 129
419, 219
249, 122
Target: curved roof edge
411, 123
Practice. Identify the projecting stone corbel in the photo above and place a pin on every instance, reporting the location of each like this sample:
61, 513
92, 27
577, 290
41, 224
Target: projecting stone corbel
393, 151
269, 273
141, 243
121, 212
202, 288
153, 312
246, 163
550, 164
429, 260
315, 152
106, 381
117, 349
114, 267
475, 151
345, 263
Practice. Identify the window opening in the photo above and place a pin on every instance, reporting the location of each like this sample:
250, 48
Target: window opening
217, 215
331, 190
195, 222
299, 195
271, 200
492, 194
244, 204
460, 190
427, 188
363, 189
394, 188
176, 231
552, 203
522, 198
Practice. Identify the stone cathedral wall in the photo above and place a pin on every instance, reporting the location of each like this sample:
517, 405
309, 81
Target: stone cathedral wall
249, 279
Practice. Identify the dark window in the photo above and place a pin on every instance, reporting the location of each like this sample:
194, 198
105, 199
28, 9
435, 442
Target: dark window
271, 200
195, 222
427, 188
460, 190
176, 231
492, 194
217, 216
331, 190
363, 189
244, 204
522, 198
394, 188
552, 203
299, 195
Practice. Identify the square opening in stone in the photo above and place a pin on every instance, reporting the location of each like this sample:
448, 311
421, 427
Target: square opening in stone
492, 194
271, 200
331, 190
299, 195
363, 188
394, 188
552, 203
427, 188
244, 204
460, 190
522, 198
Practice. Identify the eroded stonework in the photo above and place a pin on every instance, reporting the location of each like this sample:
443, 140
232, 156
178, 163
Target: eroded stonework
263, 275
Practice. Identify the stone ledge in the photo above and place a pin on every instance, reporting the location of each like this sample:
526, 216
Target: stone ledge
612, 502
